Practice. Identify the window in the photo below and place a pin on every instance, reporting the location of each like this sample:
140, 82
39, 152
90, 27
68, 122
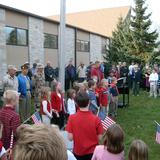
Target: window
82, 46
50, 41
105, 44
16, 36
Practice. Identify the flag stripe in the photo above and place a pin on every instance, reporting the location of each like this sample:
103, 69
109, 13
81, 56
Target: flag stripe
107, 122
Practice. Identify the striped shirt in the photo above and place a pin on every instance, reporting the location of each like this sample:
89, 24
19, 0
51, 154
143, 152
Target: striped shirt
10, 120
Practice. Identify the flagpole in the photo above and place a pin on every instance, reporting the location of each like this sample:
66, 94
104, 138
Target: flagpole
27, 119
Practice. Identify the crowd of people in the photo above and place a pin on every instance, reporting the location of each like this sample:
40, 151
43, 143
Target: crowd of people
91, 95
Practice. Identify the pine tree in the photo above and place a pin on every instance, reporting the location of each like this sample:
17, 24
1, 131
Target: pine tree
144, 41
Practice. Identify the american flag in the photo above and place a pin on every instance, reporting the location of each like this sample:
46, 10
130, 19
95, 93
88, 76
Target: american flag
107, 122
158, 134
36, 118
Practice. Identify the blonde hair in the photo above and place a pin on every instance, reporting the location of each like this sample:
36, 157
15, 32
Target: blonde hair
10, 96
45, 93
138, 151
39, 142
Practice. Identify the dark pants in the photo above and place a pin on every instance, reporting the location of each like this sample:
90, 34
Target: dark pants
85, 157
80, 80
58, 120
69, 83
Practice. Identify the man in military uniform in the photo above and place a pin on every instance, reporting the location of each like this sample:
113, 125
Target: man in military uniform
39, 82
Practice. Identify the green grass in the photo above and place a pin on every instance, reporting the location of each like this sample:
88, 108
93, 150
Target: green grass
137, 120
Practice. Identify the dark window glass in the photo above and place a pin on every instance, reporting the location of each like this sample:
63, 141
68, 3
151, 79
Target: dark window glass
21, 37
82, 46
50, 41
11, 37
16, 36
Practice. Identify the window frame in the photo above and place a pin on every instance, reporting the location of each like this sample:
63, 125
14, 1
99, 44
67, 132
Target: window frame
82, 42
16, 28
51, 35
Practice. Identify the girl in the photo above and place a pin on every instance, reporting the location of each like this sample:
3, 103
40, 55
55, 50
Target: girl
113, 147
103, 97
57, 103
71, 107
138, 151
46, 110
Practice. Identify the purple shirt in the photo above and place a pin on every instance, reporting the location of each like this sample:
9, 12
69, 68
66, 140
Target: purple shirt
101, 153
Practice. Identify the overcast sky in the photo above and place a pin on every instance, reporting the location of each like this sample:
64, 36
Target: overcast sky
52, 7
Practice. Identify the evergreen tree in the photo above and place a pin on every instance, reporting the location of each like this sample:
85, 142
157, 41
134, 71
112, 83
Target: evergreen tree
144, 41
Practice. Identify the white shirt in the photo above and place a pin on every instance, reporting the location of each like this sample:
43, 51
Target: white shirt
44, 104
70, 155
71, 106
131, 68
153, 77
3, 151
81, 72
10, 83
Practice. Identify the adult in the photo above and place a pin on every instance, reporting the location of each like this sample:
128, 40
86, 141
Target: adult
81, 71
34, 69
24, 88
9, 118
124, 70
48, 71
39, 82
96, 72
130, 74
29, 74
10, 81
70, 75
84, 128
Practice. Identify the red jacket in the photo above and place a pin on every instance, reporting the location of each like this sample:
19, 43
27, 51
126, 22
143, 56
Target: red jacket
96, 72
57, 103
48, 107
103, 97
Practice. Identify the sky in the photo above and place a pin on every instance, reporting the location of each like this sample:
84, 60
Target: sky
52, 7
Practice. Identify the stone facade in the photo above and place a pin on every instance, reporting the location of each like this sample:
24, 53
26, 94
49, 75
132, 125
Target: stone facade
3, 57
36, 40
95, 48
70, 44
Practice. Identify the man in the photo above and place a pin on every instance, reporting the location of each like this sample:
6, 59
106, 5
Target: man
81, 71
39, 82
96, 72
84, 128
70, 75
24, 88
48, 71
10, 81
124, 70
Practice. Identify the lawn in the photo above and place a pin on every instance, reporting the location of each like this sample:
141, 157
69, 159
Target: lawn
137, 120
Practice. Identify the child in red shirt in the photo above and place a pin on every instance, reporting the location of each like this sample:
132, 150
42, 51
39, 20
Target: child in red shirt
84, 128
103, 97
57, 103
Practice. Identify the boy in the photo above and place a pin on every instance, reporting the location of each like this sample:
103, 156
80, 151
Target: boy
114, 97
84, 128
39, 142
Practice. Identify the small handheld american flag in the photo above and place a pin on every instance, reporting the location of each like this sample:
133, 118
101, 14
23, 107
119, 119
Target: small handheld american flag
36, 118
107, 122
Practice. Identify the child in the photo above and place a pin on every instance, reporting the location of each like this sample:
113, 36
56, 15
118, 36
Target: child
39, 142
113, 147
84, 129
92, 96
9, 118
103, 97
114, 97
57, 103
138, 151
46, 109
71, 107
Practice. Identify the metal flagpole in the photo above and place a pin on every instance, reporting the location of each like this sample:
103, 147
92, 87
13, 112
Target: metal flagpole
62, 44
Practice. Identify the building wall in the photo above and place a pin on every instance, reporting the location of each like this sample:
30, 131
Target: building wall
70, 45
36, 40
83, 57
81, 35
95, 48
16, 19
17, 55
3, 58
50, 28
